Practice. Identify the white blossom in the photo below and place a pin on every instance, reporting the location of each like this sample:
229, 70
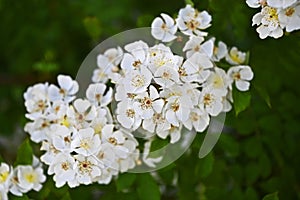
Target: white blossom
64, 169
211, 101
235, 57
198, 119
268, 23
280, 3
148, 103
195, 68
95, 94
164, 28
241, 75
127, 116
85, 142
136, 57
190, 21
290, 17
30, 178
66, 90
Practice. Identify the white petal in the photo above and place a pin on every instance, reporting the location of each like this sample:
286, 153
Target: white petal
242, 85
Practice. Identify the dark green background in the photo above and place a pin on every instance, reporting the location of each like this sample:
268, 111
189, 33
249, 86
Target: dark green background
256, 156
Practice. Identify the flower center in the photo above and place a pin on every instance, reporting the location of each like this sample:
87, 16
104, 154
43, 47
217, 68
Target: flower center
3, 176
65, 166
31, 178
236, 76
138, 81
175, 107
207, 100
194, 116
146, 103
289, 12
85, 167
113, 140
130, 113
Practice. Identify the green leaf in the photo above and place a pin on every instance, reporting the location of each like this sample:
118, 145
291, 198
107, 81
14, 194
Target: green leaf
206, 165
158, 144
147, 187
264, 94
124, 181
24, 156
66, 196
1, 159
272, 196
92, 26
241, 100
24, 197
189, 2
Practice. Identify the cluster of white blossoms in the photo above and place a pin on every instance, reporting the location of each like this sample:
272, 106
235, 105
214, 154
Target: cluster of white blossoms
275, 16
21, 179
158, 93
152, 92
82, 144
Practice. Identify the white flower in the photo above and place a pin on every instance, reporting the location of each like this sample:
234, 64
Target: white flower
178, 109
98, 123
30, 178
190, 21
166, 76
198, 119
151, 162
36, 101
64, 169
164, 28
157, 123
196, 68
256, 3
50, 154
161, 55
61, 138
147, 104
290, 17
235, 56
82, 113
116, 139
280, 3
241, 75
127, 116
211, 101
136, 57
114, 56
219, 51
95, 94
87, 169
268, 23
86, 142
174, 133
193, 45
218, 81
5, 175
137, 81
38, 130
66, 91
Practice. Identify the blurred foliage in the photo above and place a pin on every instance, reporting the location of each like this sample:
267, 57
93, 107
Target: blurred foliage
257, 156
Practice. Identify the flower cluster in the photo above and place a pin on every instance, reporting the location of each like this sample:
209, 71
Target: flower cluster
153, 92
82, 144
158, 92
275, 16
21, 179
